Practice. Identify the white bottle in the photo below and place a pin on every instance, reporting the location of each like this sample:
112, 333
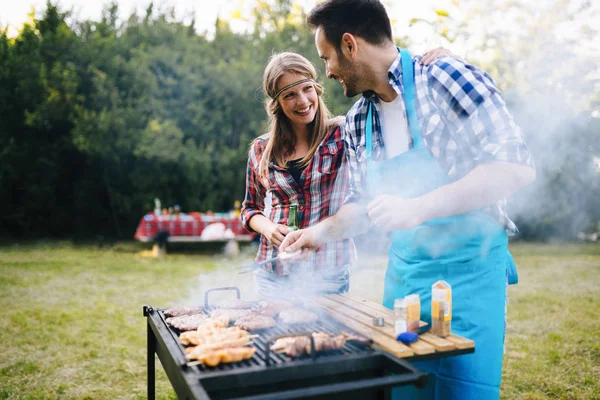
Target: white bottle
400, 316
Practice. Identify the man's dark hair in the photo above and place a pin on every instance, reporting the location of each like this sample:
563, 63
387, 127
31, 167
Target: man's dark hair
366, 19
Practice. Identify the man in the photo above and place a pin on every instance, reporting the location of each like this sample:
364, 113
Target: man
432, 157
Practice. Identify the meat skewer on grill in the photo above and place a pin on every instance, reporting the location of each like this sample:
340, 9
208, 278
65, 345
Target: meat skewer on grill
296, 346
211, 336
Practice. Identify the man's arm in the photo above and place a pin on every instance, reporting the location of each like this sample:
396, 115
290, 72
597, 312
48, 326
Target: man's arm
478, 120
482, 186
349, 221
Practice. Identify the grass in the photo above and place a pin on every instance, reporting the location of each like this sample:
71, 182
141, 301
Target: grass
73, 326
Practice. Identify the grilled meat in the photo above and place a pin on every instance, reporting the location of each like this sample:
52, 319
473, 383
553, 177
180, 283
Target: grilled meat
236, 305
186, 322
297, 316
181, 311
255, 321
273, 307
230, 314
219, 345
299, 345
211, 334
214, 358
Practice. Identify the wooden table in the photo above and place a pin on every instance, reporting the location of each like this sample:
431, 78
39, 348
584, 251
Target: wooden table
358, 313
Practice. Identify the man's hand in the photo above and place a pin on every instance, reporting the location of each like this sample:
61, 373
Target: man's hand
392, 213
275, 233
305, 239
432, 55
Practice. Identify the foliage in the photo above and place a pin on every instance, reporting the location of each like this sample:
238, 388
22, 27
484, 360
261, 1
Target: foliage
97, 118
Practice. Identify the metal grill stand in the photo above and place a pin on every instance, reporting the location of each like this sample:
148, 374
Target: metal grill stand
356, 371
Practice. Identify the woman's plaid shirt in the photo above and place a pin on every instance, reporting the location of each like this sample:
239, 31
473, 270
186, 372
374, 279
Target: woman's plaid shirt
463, 120
320, 193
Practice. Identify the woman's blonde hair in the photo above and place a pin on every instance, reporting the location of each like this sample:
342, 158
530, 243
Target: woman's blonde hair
280, 137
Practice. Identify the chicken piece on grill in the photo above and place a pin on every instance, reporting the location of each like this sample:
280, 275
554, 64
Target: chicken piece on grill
232, 315
297, 316
181, 311
211, 335
273, 307
214, 322
186, 322
214, 358
225, 344
299, 345
255, 321
236, 304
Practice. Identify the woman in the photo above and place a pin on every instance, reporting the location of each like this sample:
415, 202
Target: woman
300, 160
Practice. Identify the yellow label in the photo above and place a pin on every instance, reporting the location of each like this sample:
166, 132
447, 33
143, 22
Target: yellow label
414, 312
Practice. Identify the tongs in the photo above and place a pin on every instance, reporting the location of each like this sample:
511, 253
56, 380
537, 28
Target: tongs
255, 265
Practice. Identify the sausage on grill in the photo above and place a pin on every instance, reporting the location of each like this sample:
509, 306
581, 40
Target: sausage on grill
255, 321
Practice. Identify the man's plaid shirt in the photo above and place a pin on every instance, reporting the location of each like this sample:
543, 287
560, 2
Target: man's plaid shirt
463, 120
320, 193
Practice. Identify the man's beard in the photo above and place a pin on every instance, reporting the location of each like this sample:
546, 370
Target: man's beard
351, 74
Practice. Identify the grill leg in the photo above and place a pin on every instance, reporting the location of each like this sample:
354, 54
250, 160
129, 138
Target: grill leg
151, 365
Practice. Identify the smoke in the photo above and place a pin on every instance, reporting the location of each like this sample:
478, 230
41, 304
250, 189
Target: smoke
545, 57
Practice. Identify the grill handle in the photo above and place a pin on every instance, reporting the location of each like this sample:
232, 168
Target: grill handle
220, 289
313, 353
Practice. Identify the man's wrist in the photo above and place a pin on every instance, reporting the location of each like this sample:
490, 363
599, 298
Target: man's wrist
429, 207
320, 233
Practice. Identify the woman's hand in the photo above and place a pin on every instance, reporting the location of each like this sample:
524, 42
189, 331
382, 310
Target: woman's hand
275, 233
432, 55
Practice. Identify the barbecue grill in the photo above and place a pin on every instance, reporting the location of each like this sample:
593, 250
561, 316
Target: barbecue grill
358, 370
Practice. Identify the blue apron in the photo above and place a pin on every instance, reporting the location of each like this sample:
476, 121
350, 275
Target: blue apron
469, 251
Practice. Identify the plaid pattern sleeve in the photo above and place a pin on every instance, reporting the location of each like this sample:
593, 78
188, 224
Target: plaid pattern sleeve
463, 120
476, 115
354, 143
254, 201
319, 194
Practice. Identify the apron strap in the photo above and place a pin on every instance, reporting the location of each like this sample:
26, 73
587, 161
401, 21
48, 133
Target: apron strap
369, 128
408, 81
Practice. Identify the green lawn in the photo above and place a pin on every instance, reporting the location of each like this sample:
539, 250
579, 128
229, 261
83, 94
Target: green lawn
72, 324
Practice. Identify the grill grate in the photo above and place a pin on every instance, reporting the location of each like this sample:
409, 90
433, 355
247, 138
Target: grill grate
259, 359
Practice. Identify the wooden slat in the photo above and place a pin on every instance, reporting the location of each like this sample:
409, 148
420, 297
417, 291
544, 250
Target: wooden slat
356, 315
381, 340
461, 342
439, 343
362, 304
420, 347
349, 313
367, 306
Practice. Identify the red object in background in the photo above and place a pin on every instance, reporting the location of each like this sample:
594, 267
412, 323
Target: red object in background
188, 228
